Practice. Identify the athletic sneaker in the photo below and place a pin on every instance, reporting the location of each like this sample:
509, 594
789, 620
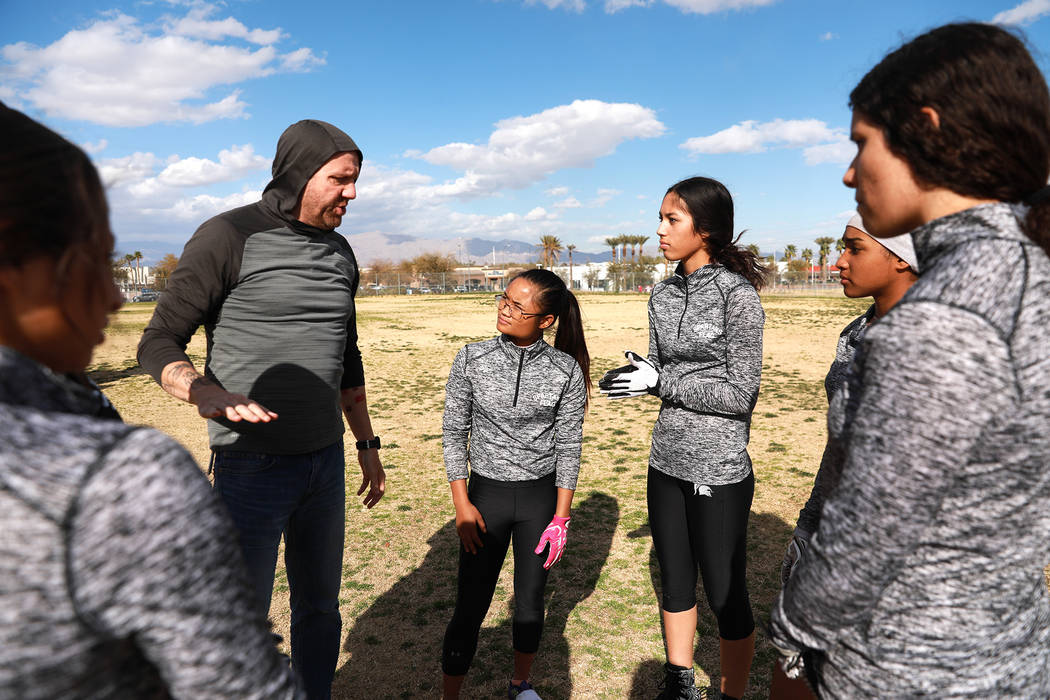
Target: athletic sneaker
522, 692
715, 694
678, 684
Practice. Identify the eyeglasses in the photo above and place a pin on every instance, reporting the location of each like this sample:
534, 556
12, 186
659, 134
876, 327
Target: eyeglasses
515, 312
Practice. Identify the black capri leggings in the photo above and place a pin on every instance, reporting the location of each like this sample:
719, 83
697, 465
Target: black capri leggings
691, 530
518, 510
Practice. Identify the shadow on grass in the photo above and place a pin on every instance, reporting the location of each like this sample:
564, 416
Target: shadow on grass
395, 645
767, 538
105, 374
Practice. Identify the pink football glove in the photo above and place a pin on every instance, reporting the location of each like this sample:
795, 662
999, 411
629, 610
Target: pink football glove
556, 534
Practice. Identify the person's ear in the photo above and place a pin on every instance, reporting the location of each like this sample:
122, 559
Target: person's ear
546, 322
931, 114
900, 265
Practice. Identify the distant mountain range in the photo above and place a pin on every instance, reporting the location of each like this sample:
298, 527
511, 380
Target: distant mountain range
396, 247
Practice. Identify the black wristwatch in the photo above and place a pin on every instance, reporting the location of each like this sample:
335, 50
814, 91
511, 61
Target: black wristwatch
372, 444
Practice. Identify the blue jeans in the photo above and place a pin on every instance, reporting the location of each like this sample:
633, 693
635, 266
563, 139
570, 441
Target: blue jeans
302, 497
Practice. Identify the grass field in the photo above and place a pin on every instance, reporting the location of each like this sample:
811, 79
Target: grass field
602, 636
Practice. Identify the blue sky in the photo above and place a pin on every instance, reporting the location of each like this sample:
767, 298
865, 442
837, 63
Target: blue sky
478, 118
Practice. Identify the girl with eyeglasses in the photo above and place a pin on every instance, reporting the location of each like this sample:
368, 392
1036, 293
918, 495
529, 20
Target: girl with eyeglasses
705, 361
925, 576
519, 404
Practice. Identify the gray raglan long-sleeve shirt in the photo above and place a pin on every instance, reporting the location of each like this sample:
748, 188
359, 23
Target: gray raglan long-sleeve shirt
705, 337
520, 409
120, 574
831, 460
926, 574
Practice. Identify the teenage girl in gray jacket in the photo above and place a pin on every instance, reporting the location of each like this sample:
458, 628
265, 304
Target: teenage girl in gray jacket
925, 577
120, 573
705, 361
519, 404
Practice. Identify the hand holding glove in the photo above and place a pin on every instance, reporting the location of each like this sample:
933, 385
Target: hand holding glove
556, 535
796, 552
635, 379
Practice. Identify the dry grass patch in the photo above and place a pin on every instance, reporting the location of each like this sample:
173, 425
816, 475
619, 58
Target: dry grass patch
602, 637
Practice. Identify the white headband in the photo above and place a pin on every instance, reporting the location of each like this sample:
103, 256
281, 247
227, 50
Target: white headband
901, 245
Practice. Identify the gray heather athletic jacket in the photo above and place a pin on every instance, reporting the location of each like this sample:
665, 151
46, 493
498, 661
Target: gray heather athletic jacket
120, 575
831, 461
522, 409
705, 337
926, 574
276, 299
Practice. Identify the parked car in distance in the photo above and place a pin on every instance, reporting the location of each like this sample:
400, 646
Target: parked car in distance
461, 288
146, 296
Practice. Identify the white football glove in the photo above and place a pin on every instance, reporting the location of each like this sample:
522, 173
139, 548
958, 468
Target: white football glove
638, 378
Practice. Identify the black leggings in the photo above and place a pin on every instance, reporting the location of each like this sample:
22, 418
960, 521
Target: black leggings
521, 509
691, 530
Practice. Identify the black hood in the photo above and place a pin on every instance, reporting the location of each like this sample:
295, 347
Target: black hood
302, 149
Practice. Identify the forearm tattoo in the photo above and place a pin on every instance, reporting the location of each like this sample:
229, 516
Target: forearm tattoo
182, 375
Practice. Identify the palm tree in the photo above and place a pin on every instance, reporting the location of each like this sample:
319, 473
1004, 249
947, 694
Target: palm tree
624, 240
137, 255
612, 243
807, 255
549, 247
641, 244
825, 243
840, 245
790, 252
571, 247
753, 247
128, 259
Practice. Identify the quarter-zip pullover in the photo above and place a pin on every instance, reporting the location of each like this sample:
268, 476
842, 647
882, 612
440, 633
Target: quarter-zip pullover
926, 573
831, 460
120, 574
705, 338
520, 409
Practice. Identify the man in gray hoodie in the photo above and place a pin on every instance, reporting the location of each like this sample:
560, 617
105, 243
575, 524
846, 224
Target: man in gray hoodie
273, 285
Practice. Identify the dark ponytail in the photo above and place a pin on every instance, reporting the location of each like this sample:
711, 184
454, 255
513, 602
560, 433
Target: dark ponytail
992, 140
554, 298
711, 206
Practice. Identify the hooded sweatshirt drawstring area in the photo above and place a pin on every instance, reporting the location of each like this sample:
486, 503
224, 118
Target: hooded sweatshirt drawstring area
521, 408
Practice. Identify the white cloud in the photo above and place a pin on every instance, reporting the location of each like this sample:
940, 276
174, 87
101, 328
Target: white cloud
822, 144
838, 152
604, 196
524, 150
539, 214
556, 191
753, 137
699, 7
828, 36
707, 7
571, 5
117, 172
612, 6
203, 206
96, 147
1025, 13
569, 203
116, 72
134, 180
234, 163
196, 24
300, 61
